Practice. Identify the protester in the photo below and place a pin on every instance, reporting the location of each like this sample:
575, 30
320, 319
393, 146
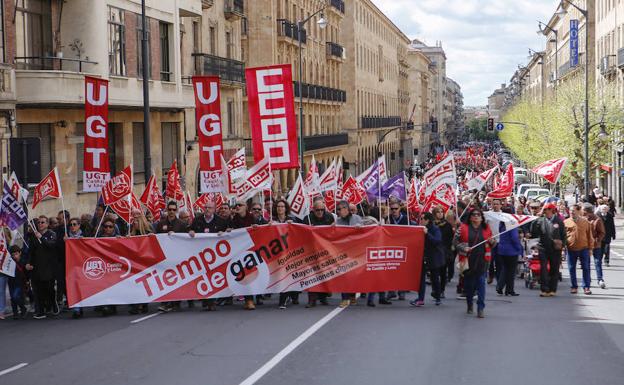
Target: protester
607, 218
396, 217
139, 226
43, 265
598, 234
473, 242
579, 241
242, 219
550, 232
447, 232
256, 212
17, 285
433, 260
345, 218
281, 214
494, 268
508, 250
318, 217
74, 231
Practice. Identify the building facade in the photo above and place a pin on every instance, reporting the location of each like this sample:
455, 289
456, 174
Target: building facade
421, 76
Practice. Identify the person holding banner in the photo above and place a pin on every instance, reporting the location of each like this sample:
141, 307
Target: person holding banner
447, 231
281, 214
433, 260
345, 218
242, 219
473, 242
43, 263
74, 231
550, 232
318, 217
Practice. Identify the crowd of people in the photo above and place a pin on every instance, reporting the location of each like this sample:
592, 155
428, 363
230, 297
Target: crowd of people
467, 249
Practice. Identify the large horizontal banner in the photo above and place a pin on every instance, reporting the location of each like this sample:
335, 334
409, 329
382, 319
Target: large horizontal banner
267, 259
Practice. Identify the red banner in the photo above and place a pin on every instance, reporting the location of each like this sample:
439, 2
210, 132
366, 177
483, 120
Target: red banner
269, 259
96, 169
208, 122
50, 186
272, 115
119, 187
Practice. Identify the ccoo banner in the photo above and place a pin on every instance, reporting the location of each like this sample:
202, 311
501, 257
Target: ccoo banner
270, 259
96, 169
272, 115
208, 122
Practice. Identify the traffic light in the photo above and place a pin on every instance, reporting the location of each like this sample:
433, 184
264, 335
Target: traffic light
490, 124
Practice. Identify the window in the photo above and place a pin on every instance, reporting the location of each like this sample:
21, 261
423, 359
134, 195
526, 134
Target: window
44, 132
139, 45
33, 34
228, 45
170, 145
116, 39
165, 69
196, 37
138, 152
213, 41
230, 118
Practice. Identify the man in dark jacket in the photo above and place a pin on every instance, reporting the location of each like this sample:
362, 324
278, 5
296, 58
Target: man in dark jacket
609, 224
63, 221
318, 217
550, 231
170, 224
433, 260
43, 265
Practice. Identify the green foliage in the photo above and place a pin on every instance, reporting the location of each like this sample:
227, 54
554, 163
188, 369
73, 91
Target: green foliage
477, 128
555, 128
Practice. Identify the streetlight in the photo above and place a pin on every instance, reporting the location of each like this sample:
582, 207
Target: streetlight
543, 28
322, 23
562, 12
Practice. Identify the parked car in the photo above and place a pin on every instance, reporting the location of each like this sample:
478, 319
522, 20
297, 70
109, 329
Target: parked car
520, 190
533, 193
521, 175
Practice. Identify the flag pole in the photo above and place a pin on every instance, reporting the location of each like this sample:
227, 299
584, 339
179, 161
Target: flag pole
101, 220
33, 228
58, 180
406, 195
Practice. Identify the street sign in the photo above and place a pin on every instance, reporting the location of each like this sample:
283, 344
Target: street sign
500, 126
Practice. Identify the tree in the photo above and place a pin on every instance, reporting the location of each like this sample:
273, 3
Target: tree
477, 127
555, 128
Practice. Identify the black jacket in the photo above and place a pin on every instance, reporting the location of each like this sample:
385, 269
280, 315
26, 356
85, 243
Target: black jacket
43, 256
548, 230
609, 225
215, 225
327, 219
165, 226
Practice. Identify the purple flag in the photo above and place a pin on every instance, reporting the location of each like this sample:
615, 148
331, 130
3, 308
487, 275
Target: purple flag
395, 187
12, 214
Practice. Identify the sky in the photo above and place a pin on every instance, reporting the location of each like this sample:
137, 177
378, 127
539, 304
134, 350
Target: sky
484, 40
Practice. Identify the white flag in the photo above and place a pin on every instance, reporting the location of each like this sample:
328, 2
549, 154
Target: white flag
298, 200
441, 173
7, 264
480, 180
511, 221
257, 179
328, 180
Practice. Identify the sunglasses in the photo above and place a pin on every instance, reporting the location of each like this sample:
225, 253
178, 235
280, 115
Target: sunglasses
394, 208
475, 215
108, 226
257, 209
74, 224
42, 222
171, 209
319, 210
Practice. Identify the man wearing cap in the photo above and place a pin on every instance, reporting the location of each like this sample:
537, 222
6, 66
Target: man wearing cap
580, 240
549, 229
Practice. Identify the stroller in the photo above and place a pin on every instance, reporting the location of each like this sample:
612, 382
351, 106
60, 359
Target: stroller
532, 269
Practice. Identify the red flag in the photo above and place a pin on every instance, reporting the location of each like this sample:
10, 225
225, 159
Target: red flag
96, 169
189, 205
352, 191
551, 169
174, 189
124, 207
200, 203
50, 186
412, 197
505, 187
119, 187
152, 198
208, 122
272, 115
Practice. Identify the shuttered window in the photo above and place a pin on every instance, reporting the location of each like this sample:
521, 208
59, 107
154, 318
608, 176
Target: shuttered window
44, 132
170, 145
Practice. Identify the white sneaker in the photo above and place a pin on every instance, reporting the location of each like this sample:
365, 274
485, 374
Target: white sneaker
602, 285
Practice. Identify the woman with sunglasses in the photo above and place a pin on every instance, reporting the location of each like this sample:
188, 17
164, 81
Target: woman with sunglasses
470, 242
281, 214
108, 231
74, 230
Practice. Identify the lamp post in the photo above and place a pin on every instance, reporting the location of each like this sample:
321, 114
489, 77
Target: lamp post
561, 12
543, 28
322, 23
147, 142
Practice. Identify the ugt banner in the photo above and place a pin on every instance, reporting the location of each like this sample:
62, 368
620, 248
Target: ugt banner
96, 170
272, 115
268, 259
208, 121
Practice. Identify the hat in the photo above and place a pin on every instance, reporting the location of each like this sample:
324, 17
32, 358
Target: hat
550, 206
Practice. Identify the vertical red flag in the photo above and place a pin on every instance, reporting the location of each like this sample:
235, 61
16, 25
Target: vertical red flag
152, 198
96, 169
174, 189
208, 122
272, 115
50, 186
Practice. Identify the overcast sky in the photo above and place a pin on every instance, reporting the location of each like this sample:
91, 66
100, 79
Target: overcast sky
484, 40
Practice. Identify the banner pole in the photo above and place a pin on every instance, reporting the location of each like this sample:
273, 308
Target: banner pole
65, 219
33, 228
101, 220
24, 240
406, 202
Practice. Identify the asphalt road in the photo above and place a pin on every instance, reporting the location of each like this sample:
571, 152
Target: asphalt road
563, 340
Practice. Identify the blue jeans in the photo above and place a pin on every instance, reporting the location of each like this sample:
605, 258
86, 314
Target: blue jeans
3, 284
598, 262
583, 256
474, 282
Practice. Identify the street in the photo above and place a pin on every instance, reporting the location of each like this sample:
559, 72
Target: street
563, 340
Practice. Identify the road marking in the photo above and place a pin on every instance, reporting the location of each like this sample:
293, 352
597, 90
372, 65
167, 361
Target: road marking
616, 253
145, 318
13, 368
258, 374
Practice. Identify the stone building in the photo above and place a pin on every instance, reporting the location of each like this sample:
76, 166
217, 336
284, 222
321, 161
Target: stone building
376, 80
271, 37
421, 75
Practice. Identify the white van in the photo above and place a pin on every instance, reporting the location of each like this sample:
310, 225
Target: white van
523, 187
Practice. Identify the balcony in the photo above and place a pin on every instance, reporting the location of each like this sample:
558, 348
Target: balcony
334, 51
313, 91
7, 85
289, 32
380, 121
234, 9
620, 58
312, 143
230, 71
337, 5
